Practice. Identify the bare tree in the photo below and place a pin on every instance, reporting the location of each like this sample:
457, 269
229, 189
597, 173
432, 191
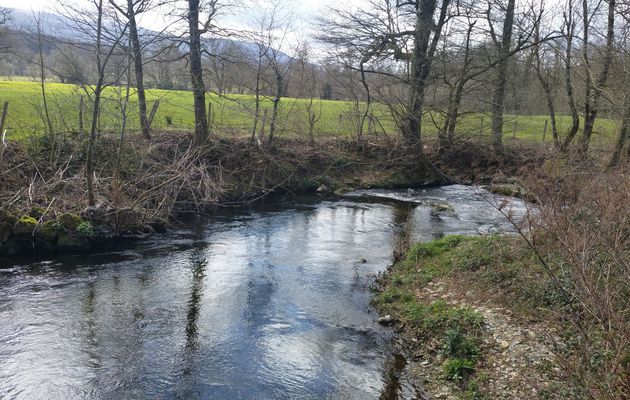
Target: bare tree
42, 74
456, 91
101, 33
385, 30
4, 17
209, 11
621, 150
130, 11
569, 25
546, 78
593, 89
503, 49
622, 143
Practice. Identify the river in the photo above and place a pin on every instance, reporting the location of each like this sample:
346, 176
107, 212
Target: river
264, 302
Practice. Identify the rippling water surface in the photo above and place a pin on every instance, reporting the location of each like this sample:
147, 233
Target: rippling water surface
270, 302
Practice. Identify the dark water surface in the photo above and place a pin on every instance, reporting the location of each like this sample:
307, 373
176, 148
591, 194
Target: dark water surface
269, 302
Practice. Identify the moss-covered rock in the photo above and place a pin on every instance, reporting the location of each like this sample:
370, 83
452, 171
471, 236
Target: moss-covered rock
512, 190
49, 231
69, 221
7, 217
85, 229
36, 212
72, 242
6, 230
25, 225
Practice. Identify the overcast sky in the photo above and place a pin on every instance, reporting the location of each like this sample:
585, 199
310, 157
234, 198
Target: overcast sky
303, 13
303, 10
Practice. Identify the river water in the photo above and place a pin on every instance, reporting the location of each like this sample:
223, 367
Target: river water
266, 302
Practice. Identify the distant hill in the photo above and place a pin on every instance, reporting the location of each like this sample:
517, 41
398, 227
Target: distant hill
58, 26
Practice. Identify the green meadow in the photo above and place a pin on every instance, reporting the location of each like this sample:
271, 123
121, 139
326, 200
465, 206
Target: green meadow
235, 114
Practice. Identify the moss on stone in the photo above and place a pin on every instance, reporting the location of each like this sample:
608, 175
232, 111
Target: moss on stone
49, 230
25, 225
36, 212
7, 217
70, 221
72, 242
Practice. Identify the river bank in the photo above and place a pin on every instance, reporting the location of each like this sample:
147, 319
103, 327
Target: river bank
470, 312
144, 187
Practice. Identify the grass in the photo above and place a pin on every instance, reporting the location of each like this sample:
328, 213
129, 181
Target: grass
500, 265
234, 113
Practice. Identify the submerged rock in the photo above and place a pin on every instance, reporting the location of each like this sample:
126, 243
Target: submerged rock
441, 207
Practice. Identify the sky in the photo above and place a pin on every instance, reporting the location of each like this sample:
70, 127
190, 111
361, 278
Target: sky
303, 12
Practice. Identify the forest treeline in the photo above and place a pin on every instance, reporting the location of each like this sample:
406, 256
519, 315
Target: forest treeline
444, 57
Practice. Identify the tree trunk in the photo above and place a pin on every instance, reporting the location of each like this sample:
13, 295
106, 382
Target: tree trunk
622, 144
138, 69
575, 118
592, 100
89, 167
498, 97
196, 75
257, 95
276, 103
420, 67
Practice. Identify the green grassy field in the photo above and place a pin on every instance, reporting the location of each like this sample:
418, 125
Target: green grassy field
234, 113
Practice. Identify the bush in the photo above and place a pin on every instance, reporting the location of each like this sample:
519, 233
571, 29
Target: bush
582, 238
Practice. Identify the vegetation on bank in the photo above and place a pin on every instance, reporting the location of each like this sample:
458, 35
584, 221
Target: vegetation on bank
235, 113
568, 271
142, 186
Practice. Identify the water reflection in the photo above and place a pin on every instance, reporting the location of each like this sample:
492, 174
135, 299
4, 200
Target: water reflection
260, 304
198, 266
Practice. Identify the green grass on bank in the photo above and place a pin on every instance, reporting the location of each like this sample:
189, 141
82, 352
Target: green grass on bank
235, 113
500, 265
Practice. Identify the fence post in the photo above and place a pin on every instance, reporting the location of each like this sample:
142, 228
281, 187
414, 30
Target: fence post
5, 110
339, 124
514, 131
262, 128
81, 107
210, 119
481, 126
545, 131
156, 103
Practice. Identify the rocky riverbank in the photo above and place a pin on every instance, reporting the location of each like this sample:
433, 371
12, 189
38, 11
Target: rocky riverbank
472, 316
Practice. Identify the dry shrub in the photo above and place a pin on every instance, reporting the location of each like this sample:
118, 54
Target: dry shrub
582, 236
169, 174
